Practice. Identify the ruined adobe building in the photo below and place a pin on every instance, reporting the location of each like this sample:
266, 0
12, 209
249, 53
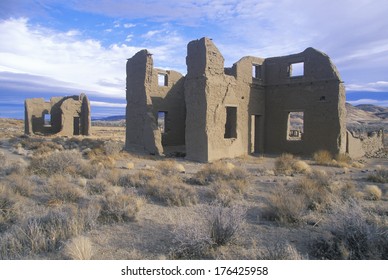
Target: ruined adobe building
66, 116
218, 112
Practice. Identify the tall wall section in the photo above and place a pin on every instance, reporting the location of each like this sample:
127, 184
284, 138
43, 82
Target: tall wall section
219, 103
156, 112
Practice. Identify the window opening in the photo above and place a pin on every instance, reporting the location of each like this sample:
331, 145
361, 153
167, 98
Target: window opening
162, 121
256, 71
295, 128
162, 79
231, 123
47, 120
297, 69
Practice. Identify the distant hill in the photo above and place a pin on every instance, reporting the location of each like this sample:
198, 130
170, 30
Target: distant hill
381, 112
110, 118
356, 114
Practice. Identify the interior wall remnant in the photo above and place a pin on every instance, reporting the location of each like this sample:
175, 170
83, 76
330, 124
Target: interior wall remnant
224, 112
365, 144
149, 92
58, 115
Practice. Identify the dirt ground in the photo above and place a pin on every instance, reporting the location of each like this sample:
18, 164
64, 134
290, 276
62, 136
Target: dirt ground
151, 235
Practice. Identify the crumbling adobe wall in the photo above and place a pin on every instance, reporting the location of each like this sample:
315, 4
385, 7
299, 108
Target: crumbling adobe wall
146, 98
318, 93
361, 145
69, 115
169, 98
210, 96
235, 111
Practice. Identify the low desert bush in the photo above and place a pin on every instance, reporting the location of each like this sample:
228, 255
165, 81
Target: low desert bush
20, 184
8, 212
372, 192
57, 163
60, 187
225, 223
286, 164
79, 248
42, 234
281, 250
119, 206
170, 167
227, 192
138, 180
379, 176
97, 186
354, 234
211, 227
171, 191
285, 206
113, 148
323, 157
218, 171
283, 164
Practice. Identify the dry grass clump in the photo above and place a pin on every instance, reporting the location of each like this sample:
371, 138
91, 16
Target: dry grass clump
226, 192
379, 176
372, 192
218, 171
20, 184
167, 189
281, 250
285, 206
286, 164
60, 187
324, 157
97, 186
57, 163
42, 234
171, 191
213, 226
354, 235
170, 167
8, 213
138, 180
119, 206
79, 248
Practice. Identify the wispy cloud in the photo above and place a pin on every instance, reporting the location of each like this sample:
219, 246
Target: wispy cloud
107, 104
64, 57
380, 86
383, 103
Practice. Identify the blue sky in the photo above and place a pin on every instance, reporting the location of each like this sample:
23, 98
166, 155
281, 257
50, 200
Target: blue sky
54, 47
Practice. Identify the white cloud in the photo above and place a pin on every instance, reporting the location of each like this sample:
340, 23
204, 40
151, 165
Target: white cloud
382, 103
379, 86
63, 56
129, 25
129, 38
107, 104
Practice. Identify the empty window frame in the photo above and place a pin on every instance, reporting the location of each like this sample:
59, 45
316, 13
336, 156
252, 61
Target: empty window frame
47, 120
297, 69
295, 127
162, 117
256, 71
162, 79
231, 123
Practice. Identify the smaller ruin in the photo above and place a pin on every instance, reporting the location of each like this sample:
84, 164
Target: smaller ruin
65, 116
